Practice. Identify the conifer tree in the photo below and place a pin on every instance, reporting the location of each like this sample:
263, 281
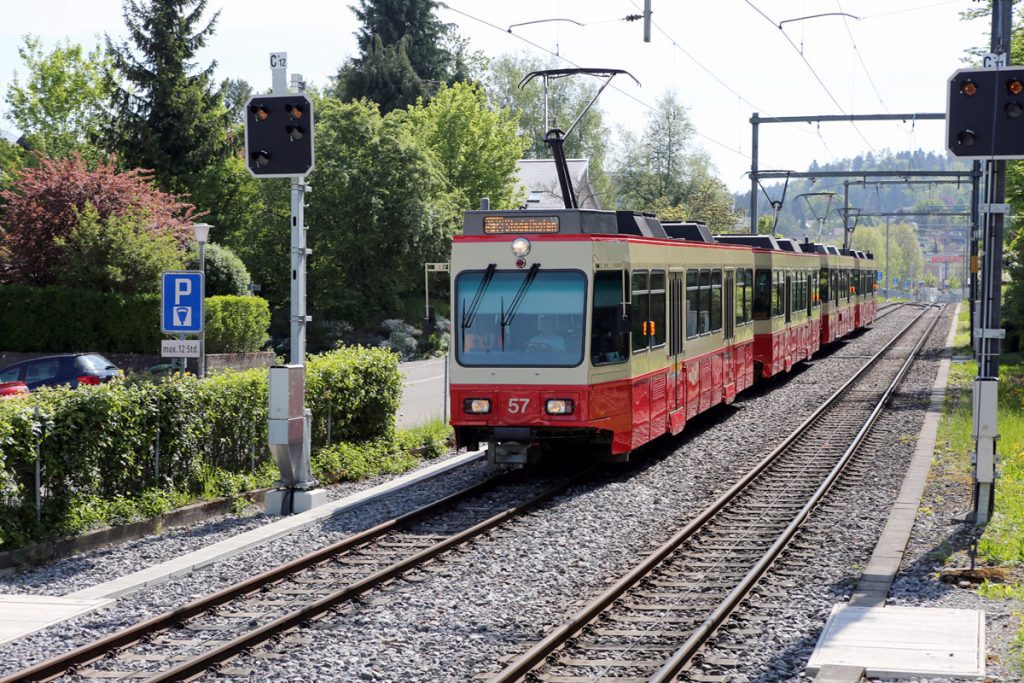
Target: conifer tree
406, 52
166, 115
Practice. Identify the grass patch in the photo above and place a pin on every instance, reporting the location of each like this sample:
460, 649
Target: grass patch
1001, 591
351, 461
1003, 539
962, 340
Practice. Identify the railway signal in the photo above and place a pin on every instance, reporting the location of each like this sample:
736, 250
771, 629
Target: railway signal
279, 135
985, 113
279, 144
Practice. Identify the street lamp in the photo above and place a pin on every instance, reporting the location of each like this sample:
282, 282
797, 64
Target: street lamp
202, 232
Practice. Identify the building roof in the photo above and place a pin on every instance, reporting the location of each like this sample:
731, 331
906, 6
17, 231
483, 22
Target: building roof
541, 180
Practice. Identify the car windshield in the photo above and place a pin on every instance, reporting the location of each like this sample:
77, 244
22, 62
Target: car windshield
93, 362
528, 318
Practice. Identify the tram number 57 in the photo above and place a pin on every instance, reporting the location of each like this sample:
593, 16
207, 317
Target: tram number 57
517, 406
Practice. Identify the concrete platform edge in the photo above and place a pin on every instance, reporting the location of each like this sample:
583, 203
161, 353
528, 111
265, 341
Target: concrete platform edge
132, 583
873, 589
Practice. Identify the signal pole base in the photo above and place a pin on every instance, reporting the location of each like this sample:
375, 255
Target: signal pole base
285, 501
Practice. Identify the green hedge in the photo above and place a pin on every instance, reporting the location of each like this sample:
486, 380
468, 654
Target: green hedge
99, 445
59, 319
236, 324
118, 323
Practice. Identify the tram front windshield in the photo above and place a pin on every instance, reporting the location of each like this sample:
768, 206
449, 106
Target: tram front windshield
527, 318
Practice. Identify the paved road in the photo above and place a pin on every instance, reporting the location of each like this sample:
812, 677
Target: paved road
423, 392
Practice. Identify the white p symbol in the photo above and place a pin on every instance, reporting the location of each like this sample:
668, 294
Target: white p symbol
182, 288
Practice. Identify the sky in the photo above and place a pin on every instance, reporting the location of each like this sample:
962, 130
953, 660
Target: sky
723, 59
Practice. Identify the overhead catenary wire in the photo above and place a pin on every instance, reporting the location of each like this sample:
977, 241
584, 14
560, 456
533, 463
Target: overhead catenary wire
810, 68
565, 59
714, 76
860, 58
916, 8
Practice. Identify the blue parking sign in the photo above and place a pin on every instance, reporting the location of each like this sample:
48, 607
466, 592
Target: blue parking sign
181, 302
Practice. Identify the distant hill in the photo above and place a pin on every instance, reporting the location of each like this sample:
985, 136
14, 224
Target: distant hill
798, 218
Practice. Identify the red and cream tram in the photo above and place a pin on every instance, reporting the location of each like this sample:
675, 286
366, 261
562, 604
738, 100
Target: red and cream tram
611, 328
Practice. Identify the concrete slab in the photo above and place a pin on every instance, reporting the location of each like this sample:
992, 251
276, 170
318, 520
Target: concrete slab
901, 642
25, 614
179, 566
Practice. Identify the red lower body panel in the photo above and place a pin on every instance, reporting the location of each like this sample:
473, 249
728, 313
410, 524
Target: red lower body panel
628, 413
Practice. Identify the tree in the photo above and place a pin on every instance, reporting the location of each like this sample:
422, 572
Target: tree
63, 99
662, 170
567, 98
168, 116
405, 52
45, 202
476, 148
118, 253
384, 75
908, 262
225, 272
380, 211
235, 92
658, 165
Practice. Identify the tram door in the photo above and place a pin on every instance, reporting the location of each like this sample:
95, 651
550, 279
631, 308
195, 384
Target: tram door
730, 304
677, 330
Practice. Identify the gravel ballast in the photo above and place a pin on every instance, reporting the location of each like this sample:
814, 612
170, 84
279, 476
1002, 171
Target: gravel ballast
470, 609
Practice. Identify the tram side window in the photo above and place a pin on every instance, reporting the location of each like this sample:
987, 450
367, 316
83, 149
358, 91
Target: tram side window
609, 343
641, 310
738, 306
822, 286
716, 300
704, 316
763, 295
692, 303
777, 293
849, 284
657, 328
799, 287
809, 279
748, 301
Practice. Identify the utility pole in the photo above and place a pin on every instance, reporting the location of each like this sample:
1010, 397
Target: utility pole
984, 123
986, 389
754, 122
887, 294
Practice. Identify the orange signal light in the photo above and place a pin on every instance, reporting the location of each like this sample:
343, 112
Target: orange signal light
968, 88
1014, 86
260, 112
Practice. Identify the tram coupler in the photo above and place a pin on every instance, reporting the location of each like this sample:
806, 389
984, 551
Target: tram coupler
512, 453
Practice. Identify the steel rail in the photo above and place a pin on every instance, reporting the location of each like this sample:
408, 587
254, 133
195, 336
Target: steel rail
530, 659
212, 657
674, 664
90, 652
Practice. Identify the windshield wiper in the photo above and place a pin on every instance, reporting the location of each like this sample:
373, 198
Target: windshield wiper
469, 315
513, 308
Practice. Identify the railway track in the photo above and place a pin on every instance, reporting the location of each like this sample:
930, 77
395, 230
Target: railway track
184, 642
651, 623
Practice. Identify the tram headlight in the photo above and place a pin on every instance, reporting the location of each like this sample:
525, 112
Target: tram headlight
559, 406
520, 246
476, 406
